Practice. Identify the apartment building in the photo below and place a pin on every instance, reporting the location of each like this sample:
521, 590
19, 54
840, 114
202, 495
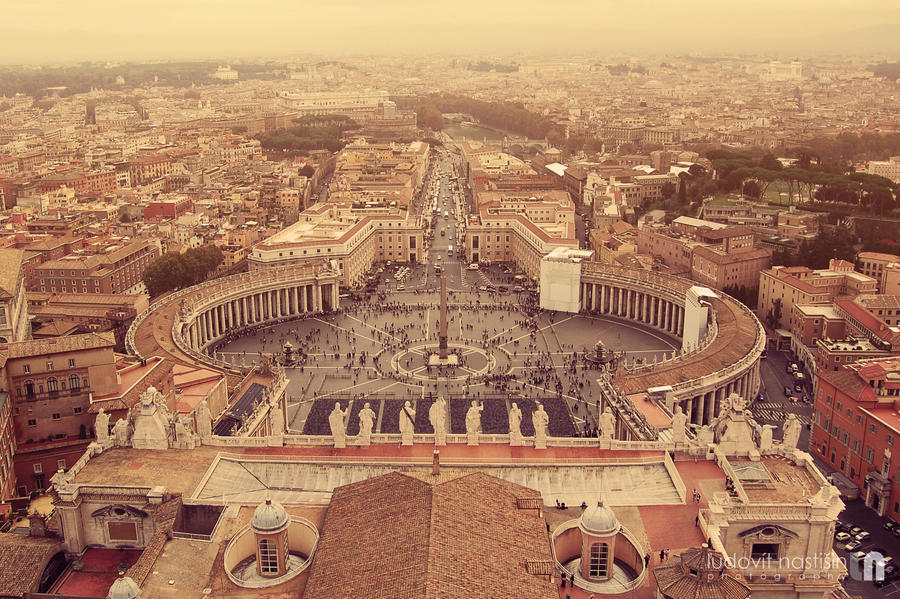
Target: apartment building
117, 268
781, 287
856, 429
355, 238
13, 309
884, 268
51, 382
519, 228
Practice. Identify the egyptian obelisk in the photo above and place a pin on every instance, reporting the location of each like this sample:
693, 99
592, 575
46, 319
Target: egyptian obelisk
442, 327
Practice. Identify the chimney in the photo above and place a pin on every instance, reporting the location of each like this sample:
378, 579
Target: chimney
436, 463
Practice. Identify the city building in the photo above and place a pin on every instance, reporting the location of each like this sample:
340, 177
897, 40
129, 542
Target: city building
884, 268
781, 287
51, 383
13, 308
519, 228
354, 238
856, 426
114, 268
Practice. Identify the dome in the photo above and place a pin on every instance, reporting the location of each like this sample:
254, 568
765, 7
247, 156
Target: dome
124, 588
599, 520
269, 517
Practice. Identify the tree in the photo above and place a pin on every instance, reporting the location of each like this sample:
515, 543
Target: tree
429, 116
239, 129
770, 163
307, 170
173, 270
667, 190
751, 190
682, 189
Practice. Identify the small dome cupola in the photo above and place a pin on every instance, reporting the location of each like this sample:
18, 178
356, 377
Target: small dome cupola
599, 520
269, 518
124, 588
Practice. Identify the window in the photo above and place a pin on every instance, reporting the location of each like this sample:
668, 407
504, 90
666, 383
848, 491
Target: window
61, 464
122, 531
38, 469
52, 386
268, 557
71, 362
29, 388
26, 369
73, 384
56, 416
764, 551
870, 454
599, 560
32, 422
873, 429
49, 366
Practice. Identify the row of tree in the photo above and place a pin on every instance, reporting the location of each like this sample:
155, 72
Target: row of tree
508, 116
323, 132
810, 179
173, 271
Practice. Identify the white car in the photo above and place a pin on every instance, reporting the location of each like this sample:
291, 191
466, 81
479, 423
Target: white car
472, 267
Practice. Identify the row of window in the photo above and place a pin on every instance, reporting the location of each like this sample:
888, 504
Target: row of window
53, 386
26, 368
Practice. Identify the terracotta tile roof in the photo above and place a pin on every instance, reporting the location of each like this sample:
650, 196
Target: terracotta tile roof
22, 562
851, 383
10, 266
58, 345
698, 574
403, 537
164, 521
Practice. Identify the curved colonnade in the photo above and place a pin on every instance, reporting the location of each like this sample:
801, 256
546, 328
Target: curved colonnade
185, 324
725, 361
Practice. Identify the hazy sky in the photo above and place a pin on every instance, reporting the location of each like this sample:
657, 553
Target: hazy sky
61, 30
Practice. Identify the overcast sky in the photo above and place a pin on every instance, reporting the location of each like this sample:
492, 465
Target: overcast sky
63, 30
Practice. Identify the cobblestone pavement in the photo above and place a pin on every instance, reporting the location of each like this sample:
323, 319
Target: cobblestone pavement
379, 348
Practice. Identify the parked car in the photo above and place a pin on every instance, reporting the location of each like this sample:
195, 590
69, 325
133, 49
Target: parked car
842, 526
842, 537
890, 526
896, 531
855, 530
787, 391
890, 575
858, 556
852, 545
862, 536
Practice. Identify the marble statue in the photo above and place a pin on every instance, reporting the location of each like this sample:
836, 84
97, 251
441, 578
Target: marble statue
515, 425
791, 432
679, 422
366, 422
336, 422
204, 420
473, 422
765, 437
541, 422
407, 423
607, 425
151, 426
101, 426
437, 415
121, 432
276, 419
184, 436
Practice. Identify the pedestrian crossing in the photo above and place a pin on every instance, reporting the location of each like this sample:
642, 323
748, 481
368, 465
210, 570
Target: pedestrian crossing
772, 413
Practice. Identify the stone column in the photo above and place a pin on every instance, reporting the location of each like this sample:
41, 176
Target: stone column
709, 405
335, 296
688, 409
304, 302
594, 289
